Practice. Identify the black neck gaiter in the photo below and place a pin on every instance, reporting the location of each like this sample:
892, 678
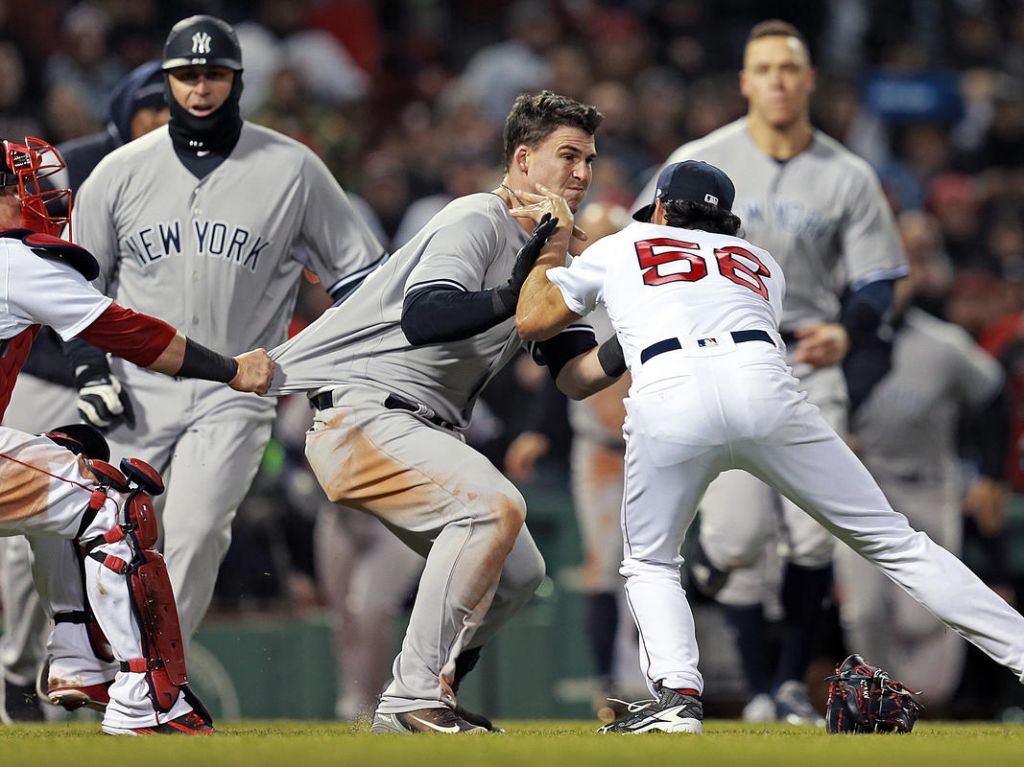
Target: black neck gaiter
216, 133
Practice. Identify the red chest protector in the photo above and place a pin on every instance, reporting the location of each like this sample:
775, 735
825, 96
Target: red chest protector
13, 353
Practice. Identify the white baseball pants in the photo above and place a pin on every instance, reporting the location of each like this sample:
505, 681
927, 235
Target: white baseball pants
44, 491
696, 412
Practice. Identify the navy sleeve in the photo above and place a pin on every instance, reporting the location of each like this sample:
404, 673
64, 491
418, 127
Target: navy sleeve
864, 309
440, 313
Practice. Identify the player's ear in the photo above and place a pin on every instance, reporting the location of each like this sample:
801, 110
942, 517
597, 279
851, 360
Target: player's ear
521, 158
743, 84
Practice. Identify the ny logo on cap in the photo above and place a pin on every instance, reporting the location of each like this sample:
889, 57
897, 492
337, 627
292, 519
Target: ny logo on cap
200, 42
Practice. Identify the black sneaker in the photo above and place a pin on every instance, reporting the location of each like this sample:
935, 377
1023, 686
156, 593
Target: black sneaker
671, 712
443, 720
478, 719
20, 704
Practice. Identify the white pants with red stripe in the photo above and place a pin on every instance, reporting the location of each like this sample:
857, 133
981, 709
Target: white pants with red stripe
695, 413
45, 491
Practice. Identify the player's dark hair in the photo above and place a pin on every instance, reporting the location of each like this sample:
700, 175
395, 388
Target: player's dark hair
688, 214
777, 28
535, 116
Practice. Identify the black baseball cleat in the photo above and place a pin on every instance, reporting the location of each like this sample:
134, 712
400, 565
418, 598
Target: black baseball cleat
186, 724
20, 704
443, 720
671, 712
478, 719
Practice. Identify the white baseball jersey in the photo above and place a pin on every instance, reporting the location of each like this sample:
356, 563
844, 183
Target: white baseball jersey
43, 291
661, 282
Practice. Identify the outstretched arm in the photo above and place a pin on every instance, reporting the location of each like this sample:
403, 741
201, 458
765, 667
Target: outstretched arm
152, 343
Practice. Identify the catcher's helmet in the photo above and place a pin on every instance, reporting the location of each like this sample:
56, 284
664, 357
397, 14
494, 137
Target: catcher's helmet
25, 166
202, 40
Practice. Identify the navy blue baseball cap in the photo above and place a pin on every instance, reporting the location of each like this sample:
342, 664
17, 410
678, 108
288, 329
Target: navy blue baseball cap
692, 180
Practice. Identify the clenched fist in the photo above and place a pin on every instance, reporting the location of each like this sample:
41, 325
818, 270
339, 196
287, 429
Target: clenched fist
255, 370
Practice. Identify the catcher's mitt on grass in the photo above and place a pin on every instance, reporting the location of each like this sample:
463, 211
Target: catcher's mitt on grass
864, 698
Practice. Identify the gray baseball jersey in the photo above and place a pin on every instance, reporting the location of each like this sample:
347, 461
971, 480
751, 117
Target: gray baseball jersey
822, 214
470, 245
908, 424
220, 257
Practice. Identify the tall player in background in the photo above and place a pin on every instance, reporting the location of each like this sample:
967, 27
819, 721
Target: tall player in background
696, 311
57, 386
821, 212
209, 223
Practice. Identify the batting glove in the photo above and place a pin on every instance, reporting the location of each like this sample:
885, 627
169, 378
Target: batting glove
102, 401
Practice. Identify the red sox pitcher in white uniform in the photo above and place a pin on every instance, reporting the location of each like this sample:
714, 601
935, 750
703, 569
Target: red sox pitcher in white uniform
696, 310
60, 485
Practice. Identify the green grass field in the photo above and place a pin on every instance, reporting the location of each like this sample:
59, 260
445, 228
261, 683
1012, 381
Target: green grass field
535, 743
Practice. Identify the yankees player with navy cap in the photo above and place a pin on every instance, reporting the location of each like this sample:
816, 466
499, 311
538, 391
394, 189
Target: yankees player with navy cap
208, 223
697, 310
821, 212
394, 374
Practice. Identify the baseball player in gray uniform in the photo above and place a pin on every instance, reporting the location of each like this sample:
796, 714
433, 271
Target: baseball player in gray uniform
208, 223
821, 212
905, 433
394, 374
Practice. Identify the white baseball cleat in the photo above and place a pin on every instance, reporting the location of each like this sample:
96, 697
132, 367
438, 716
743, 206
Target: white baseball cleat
671, 712
441, 720
760, 708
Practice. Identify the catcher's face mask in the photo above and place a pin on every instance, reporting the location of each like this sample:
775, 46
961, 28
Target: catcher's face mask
25, 166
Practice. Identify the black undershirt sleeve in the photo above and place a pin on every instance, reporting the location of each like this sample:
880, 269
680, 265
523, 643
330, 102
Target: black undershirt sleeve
556, 352
985, 433
438, 313
200, 362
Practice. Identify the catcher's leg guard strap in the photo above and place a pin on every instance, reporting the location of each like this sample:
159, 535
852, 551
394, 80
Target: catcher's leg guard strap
152, 598
97, 640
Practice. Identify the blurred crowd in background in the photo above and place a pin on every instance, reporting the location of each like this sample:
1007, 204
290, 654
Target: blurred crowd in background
405, 100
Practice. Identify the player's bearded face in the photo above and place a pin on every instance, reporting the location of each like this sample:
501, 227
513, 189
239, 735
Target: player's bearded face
202, 90
562, 163
777, 80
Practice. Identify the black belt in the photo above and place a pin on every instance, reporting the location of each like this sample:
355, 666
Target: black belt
673, 344
325, 400
788, 337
